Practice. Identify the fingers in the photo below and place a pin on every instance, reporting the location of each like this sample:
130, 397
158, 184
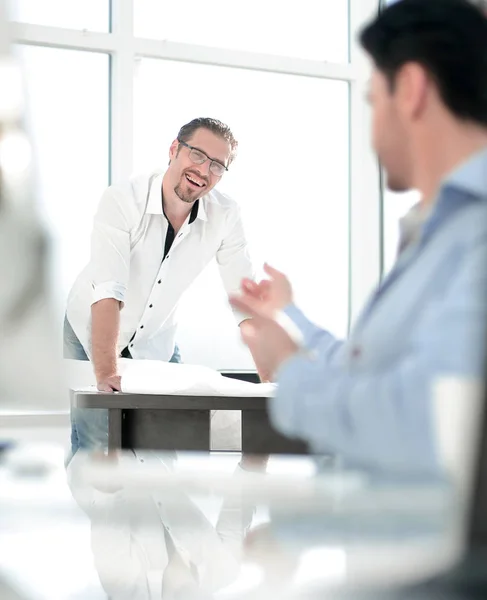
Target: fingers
245, 304
113, 384
274, 273
248, 331
104, 387
116, 384
250, 287
256, 290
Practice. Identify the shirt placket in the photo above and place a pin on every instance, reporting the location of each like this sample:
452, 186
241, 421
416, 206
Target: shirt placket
157, 287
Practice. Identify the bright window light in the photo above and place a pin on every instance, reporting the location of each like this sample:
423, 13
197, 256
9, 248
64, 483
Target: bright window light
92, 15
312, 29
291, 179
68, 120
15, 153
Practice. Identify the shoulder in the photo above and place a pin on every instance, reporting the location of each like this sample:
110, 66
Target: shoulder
470, 224
466, 240
136, 188
132, 193
221, 199
125, 200
219, 204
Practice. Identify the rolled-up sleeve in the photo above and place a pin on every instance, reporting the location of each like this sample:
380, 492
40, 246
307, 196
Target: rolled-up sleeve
110, 248
234, 259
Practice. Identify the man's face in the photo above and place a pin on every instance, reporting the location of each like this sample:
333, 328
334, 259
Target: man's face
192, 181
389, 135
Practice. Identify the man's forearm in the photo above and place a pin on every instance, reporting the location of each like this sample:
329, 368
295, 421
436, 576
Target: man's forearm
105, 327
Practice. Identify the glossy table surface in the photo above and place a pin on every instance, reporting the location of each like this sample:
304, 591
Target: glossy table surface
151, 525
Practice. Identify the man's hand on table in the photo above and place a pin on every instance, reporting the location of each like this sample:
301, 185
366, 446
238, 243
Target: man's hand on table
111, 383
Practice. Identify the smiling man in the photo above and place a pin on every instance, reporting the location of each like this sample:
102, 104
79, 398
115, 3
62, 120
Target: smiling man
152, 237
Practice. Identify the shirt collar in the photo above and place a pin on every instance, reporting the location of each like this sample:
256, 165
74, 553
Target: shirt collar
154, 204
471, 176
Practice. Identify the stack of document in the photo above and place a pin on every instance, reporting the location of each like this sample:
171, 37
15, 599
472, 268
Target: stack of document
159, 377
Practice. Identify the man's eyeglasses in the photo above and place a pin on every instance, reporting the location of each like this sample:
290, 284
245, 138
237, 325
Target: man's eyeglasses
199, 158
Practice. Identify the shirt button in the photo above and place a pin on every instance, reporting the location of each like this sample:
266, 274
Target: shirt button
356, 352
150, 305
131, 345
159, 281
142, 327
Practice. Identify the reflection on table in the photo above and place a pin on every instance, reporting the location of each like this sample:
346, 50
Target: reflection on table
201, 525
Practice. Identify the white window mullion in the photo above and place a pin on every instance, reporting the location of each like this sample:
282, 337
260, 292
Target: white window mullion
365, 232
122, 90
124, 49
240, 59
58, 37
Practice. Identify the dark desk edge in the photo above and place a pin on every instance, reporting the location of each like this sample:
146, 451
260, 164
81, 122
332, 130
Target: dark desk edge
83, 399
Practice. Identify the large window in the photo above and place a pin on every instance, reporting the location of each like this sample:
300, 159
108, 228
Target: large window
92, 15
111, 82
312, 29
290, 178
68, 109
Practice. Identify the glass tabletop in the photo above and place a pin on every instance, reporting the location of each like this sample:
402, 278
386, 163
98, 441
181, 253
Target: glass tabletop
149, 525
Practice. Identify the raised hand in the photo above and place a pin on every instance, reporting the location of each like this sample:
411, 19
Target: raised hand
264, 299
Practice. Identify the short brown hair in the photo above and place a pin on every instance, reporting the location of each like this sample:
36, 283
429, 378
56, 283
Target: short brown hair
213, 125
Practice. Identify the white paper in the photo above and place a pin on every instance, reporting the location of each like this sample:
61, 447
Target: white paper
159, 377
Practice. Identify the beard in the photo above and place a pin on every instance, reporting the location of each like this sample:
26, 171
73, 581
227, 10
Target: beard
186, 193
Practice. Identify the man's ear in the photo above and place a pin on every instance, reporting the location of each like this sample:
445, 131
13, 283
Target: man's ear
173, 150
412, 88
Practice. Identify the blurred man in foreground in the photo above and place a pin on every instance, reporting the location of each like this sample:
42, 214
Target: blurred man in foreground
369, 398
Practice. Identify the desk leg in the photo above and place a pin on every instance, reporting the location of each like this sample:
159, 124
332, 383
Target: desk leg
167, 429
259, 437
114, 428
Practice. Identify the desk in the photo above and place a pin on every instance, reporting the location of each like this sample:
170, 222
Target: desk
178, 422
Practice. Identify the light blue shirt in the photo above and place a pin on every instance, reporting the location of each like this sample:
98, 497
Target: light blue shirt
368, 399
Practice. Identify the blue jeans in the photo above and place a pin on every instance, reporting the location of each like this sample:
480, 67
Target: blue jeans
89, 426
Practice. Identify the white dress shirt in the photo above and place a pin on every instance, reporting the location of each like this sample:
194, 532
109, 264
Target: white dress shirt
127, 263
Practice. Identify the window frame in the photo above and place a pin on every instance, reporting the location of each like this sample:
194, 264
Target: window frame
124, 50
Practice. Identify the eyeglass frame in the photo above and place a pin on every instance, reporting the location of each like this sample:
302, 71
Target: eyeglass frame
212, 160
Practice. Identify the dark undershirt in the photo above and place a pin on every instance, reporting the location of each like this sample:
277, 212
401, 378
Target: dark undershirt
170, 235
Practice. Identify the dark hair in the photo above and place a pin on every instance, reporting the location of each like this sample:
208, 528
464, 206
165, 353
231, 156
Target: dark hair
447, 37
213, 125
